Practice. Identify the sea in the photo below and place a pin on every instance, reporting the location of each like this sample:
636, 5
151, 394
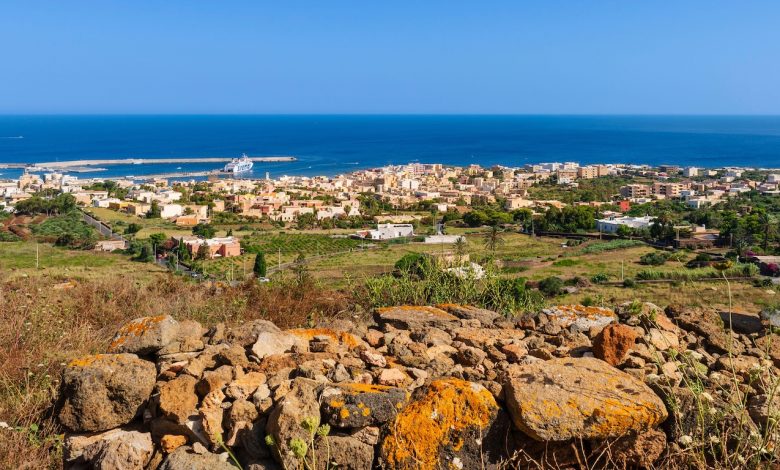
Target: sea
333, 144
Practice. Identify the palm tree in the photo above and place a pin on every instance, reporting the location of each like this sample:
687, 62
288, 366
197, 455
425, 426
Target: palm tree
493, 238
460, 248
766, 221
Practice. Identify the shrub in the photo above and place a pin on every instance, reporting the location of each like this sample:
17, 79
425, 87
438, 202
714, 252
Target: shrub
587, 301
599, 278
551, 286
415, 264
8, 237
629, 282
435, 286
655, 258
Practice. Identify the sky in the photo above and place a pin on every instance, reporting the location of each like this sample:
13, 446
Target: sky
421, 56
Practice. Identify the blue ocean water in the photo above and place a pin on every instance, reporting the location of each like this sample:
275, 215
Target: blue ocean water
328, 145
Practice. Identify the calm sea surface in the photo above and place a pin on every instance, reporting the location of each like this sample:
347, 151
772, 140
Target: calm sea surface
328, 145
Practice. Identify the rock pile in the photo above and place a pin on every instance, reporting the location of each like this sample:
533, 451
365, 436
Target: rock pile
420, 387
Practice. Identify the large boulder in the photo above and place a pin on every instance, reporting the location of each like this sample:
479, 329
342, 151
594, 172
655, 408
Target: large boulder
579, 317
354, 405
117, 448
411, 317
467, 312
613, 343
446, 426
177, 398
585, 398
273, 342
104, 391
286, 422
145, 335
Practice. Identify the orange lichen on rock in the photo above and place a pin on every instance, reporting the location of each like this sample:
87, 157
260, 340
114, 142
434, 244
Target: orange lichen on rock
85, 361
134, 328
347, 339
584, 398
355, 387
439, 418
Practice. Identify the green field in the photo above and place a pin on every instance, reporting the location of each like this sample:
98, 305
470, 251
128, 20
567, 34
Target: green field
19, 259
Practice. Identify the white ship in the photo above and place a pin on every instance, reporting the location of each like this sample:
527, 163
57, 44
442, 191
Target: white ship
239, 165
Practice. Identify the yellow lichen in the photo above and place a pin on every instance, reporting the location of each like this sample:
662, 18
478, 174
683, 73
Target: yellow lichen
85, 361
437, 419
134, 328
343, 413
354, 387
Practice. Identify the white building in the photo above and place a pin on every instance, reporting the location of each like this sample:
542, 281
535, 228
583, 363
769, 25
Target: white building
612, 224
169, 211
691, 172
390, 231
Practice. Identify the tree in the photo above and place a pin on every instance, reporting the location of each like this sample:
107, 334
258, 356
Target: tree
461, 247
624, 231
154, 211
133, 228
306, 221
158, 239
203, 251
301, 271
260, 268
475, 218
146, 255
204, 231
493, 238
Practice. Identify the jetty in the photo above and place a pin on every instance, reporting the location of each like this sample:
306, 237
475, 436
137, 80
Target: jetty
153, 161
80, 164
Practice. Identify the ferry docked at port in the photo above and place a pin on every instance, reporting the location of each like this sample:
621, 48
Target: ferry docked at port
239, 165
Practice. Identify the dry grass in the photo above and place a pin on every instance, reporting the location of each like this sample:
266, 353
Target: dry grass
45, 325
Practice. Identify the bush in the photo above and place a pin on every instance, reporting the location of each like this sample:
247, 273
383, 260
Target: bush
415, 264
507, 296
655, 258
587, 302
629, 282
551, 286
600, 278
8, 237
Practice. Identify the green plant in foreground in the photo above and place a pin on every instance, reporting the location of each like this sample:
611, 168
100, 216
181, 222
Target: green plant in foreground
304, 449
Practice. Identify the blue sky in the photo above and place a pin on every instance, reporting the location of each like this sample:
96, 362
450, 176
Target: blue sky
423, 56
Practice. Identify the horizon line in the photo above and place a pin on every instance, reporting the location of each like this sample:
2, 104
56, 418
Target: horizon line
358, 114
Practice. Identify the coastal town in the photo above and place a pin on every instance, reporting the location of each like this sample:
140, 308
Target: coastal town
404, 193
